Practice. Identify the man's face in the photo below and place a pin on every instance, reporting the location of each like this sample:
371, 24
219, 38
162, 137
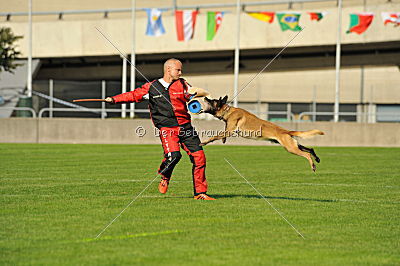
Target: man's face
175, 70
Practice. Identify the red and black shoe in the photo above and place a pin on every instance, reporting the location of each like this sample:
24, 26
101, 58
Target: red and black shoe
163, 186
203, 196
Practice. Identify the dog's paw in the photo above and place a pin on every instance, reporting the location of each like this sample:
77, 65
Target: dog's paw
224, 140
314, 168
203, 144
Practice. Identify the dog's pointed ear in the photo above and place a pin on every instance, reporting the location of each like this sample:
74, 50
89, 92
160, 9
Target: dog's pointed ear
225, 99
208, 100
219, 103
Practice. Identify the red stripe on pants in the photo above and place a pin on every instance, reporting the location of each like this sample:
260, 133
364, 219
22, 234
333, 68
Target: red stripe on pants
169, 137
198, 160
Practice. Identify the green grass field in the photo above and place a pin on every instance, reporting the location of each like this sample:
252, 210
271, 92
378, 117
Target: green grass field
56, 198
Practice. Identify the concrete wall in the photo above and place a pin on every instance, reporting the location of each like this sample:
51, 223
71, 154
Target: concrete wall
79, 37
51, 5
118, 131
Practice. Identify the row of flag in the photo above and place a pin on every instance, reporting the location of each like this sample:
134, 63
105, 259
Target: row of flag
358, 22
185, 21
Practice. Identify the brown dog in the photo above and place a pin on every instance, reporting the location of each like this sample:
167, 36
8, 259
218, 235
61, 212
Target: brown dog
239, 121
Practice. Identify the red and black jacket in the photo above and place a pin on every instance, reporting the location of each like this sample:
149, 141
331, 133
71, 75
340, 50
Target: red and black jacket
167, 105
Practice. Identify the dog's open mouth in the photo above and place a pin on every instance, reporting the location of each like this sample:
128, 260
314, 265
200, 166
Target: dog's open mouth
206, 107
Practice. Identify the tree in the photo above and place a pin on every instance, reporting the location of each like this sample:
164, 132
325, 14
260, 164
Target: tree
8, 50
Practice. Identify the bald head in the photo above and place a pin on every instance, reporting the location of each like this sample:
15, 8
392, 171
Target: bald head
170, 62
172, 69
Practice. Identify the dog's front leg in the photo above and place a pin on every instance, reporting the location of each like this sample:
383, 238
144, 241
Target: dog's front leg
230, 126
222, 135
224, 138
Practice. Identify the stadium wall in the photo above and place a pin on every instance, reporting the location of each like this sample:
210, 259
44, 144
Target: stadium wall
79, 37
118, 131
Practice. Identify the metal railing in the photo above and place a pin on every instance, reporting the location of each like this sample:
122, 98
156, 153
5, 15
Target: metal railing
301, 115
367, 115
20, 109
40, 115
60, 13
288, 115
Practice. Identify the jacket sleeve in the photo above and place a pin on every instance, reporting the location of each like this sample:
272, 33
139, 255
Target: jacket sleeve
134, 96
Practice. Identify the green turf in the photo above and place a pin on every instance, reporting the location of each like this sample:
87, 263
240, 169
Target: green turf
56, 198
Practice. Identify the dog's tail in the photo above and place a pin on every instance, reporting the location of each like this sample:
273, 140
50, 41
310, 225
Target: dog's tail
306, 134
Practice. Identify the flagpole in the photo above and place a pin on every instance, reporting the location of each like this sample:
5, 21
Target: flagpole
338, 46
124, 72
29, 64
236, 63
133, 55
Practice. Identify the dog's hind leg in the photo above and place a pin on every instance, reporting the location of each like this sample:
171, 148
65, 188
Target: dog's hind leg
291, 146
311, 151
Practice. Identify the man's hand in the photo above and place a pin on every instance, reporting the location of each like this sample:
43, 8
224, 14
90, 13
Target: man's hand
199, 92
109, 100
193, 95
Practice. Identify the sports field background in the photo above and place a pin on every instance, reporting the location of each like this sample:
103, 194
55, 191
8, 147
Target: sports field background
56, 198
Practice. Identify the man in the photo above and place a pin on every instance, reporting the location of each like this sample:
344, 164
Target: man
167, 103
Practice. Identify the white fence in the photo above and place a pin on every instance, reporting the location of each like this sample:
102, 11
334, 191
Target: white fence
288, 116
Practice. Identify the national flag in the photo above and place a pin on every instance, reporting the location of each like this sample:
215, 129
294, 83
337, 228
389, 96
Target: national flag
360, 22
263, 16
154, 22
317, 15
214, 20
185, 22
391, 17
289, 21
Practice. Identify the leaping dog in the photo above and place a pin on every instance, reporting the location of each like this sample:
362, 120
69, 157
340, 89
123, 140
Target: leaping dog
239, 120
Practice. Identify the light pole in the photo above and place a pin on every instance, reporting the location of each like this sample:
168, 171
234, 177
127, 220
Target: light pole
237, 49
337, 84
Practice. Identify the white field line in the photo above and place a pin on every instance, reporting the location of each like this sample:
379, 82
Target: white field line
266, 200
336, 185
133, 200
272, 198
190, 197
126, 207
183, 181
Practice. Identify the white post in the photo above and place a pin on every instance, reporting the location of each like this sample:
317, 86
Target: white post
258, 100
133, 55
360, 115
236, 64
288, 111
51, 94
124, 66
29, 66
371, 107
103, 96
337, 84
314, 104
175, 5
